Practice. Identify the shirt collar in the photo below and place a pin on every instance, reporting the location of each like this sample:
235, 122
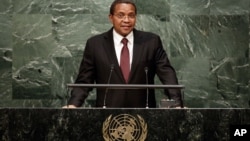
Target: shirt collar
118, 37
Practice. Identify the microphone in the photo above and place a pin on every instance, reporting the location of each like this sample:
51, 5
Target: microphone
146, 73
106, 91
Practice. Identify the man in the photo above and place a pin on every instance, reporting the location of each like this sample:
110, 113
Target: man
108, 57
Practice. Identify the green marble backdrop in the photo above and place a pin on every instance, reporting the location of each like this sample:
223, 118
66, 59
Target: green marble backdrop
207, 41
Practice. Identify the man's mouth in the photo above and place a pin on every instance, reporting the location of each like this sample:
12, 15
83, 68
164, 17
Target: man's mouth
126, 27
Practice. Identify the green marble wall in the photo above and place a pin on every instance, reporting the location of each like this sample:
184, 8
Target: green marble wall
41, 45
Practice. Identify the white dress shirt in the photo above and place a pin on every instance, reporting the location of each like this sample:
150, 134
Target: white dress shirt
118, 45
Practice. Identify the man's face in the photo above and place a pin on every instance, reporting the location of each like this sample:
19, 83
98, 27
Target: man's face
123, 19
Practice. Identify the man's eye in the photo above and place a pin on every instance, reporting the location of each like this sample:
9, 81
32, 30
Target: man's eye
120, 15
131, 16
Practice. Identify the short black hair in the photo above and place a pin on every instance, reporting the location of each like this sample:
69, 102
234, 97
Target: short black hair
115, 2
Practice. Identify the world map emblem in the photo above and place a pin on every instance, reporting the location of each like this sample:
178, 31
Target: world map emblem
124, 127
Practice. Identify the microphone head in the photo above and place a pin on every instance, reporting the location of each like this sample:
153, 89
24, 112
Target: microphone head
112, 66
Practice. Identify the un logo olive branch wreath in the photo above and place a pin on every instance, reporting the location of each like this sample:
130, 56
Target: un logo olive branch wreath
141, 122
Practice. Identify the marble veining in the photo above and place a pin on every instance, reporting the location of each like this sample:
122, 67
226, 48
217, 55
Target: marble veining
42, 42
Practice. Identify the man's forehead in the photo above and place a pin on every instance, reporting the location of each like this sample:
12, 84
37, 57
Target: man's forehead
124, 7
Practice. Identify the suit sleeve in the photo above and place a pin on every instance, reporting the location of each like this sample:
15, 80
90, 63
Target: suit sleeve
166, 73
85, 76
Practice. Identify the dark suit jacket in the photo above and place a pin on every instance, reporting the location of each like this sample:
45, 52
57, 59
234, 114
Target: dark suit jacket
99, 55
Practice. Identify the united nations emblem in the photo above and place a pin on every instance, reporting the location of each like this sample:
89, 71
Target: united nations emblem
124, 127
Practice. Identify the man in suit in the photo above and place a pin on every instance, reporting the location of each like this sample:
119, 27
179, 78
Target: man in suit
103, 61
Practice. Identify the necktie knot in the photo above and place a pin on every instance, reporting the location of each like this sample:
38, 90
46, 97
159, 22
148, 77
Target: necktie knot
124, 41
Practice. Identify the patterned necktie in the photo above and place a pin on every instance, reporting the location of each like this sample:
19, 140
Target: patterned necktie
124, 62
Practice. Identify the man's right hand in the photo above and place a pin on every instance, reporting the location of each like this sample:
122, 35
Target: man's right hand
69, 106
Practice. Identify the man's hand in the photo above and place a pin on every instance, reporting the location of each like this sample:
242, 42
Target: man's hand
69, 106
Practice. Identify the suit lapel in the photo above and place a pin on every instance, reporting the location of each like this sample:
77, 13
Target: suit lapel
110, 51
137, 50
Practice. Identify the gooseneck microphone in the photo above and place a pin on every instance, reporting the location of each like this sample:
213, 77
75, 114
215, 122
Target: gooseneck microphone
146, 73
106, 91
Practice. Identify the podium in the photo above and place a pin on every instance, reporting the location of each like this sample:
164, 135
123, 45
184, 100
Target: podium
120, 124
93, 124
163, 102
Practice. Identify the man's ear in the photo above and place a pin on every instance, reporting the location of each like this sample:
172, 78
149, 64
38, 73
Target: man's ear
111, 18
